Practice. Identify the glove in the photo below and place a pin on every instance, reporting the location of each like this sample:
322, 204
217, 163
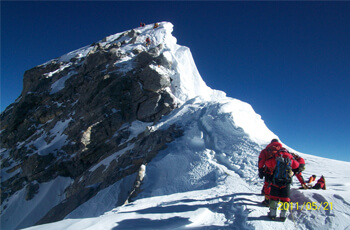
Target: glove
304, 186
261, 173
290, 173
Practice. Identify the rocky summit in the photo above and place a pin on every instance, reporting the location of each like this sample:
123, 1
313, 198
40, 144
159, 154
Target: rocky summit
86, 116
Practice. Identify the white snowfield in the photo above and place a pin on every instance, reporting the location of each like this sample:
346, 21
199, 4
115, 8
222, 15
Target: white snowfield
206, 179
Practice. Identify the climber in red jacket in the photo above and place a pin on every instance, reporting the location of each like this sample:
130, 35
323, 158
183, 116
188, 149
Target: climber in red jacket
297, 172
282, 167
321, 184
266, 154
271, 165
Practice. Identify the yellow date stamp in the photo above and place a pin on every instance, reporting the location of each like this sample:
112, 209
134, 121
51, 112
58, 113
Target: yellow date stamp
309, 206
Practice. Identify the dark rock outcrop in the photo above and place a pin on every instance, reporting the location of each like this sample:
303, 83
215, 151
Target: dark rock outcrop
74, 114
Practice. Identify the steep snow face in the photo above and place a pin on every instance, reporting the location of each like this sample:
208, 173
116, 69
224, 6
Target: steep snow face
187, 82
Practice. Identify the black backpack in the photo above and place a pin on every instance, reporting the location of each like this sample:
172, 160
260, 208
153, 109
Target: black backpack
280, 174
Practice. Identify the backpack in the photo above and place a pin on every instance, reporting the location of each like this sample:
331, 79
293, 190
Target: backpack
295, 156
280, 174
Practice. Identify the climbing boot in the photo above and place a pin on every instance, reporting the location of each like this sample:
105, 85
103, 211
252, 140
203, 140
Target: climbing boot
273, 209
283, 215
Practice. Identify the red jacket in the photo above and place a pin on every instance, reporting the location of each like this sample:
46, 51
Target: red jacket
301, 162
270, 164
321, 183
268, 153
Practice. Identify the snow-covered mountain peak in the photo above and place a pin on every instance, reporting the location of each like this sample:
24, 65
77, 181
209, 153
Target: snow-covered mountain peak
186, 80
125, 134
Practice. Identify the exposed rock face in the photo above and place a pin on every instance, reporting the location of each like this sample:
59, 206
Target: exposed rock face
75, 115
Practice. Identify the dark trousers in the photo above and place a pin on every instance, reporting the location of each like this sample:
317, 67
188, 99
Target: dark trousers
267, 185
280, 192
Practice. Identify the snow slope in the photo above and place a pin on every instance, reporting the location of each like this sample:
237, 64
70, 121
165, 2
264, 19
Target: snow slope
207, 179
49, 195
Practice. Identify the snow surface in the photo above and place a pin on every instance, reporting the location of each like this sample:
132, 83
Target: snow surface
27, 212
231, 202
206, 179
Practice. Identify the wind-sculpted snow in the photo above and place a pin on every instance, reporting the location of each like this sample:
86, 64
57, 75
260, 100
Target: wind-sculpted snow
211, 137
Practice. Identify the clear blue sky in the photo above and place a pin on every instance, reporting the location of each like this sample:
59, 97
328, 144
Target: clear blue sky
289, 60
